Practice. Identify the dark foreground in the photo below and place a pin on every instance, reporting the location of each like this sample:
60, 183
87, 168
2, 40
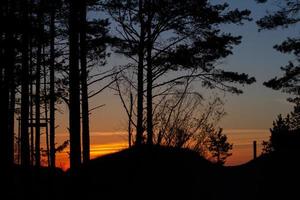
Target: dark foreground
159, 173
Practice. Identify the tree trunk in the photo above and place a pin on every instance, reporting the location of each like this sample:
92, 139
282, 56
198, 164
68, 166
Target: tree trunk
19, 142
37, 112
2, 135
2, 66
25, 155
46, 107
38, 88
52, 83
129, 121
140, 95
4, 108
31, 105
74, 87
84, 87
9, 94
12, 87
149, 78
11, 120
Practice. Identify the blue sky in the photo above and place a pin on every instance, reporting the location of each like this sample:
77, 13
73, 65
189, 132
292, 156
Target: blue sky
259, 105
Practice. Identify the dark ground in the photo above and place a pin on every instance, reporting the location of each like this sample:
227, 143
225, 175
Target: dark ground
159, 173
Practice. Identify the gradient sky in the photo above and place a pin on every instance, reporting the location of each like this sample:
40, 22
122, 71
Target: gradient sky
253, 111
257, 107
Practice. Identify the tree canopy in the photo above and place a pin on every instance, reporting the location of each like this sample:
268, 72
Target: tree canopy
287, 14
186, 42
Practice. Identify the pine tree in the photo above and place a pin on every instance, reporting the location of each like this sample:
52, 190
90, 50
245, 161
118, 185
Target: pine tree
287, 15
186, 38
219, 147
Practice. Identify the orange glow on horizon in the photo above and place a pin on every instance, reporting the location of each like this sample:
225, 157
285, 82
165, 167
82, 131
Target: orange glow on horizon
96, 150
240, 154
103, 143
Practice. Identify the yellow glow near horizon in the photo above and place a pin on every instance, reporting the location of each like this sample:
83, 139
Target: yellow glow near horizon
103, 143
96, 150
103, 149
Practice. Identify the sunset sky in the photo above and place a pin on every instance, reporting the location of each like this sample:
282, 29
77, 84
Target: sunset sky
249, 116
103, 143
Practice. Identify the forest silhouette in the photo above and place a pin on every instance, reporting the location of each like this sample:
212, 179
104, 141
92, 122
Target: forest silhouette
54, 52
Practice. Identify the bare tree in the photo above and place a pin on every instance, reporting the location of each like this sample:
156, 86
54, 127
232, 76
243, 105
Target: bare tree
187, 121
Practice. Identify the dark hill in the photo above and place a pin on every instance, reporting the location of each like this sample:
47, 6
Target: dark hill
272, 176
32, 183
155, 172
159, 173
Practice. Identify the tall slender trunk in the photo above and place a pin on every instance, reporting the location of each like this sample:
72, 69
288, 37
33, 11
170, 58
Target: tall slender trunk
4, 109
129, 121
11, 85
38, 88
52, 83
25, 155
7, 128
74, 87
84, 87
31, 105
19, 142
31, 96
11, 121
3, 132
149, 77
46, 107
37, 113
140, 95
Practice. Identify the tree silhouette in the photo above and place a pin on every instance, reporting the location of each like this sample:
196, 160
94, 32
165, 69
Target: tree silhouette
284, 133
287, 15
52, 10
7, 81
35, 68
84, 88
8, 18
74, 85
280, 127
187, 38
188, 121
88, 39
219, 147
25, 156
40, 33
93, 41
127, 13
294, 121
